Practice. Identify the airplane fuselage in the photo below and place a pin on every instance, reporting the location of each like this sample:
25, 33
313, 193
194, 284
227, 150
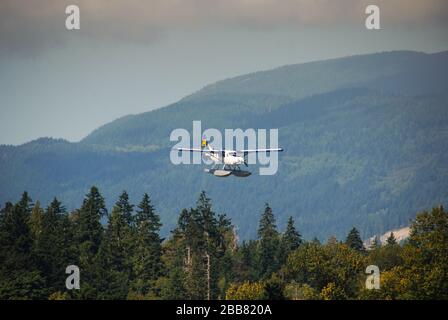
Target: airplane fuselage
233, 160
228, 158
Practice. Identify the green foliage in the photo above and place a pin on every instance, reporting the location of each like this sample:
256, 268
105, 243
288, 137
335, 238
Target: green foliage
23, 285
274, 287
418, 270
295, 291
425, 256
386, 257
333, 292
319, 265
59, 296
174, 286
246, 258
246, 291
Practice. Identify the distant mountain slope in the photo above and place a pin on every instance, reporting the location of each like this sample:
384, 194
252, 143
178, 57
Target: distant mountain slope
222, 104
365, 141
302, 80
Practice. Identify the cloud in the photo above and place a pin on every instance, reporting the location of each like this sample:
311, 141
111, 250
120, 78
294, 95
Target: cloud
30, 26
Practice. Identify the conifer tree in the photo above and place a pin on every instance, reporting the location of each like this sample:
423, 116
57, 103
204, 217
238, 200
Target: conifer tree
147, 255
291, 238
116, 251
177, 257
174, 287
19, 278
246, 261
208, 220
87, 237
52, 245
89, 230
125, 207
391, 240
268, 245
202, 238
213, 250
195, 250
18, 241
290, 241
354, 240
36, 222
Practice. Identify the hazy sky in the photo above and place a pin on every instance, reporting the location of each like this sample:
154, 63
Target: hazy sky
136, 55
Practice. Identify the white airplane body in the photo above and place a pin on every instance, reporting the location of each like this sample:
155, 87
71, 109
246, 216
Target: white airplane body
229, 159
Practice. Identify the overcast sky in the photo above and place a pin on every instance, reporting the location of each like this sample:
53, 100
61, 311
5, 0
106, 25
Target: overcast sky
136, 55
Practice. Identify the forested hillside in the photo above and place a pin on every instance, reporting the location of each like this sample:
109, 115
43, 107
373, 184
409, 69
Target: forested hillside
202, 259
365, 141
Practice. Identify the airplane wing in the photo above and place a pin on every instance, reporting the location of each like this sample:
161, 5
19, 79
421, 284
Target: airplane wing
192, 150
213, 151
246, 151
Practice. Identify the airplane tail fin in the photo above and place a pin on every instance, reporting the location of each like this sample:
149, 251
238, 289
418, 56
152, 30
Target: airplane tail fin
204, 144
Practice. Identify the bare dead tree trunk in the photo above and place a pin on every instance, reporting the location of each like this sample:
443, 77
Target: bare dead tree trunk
208, 275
